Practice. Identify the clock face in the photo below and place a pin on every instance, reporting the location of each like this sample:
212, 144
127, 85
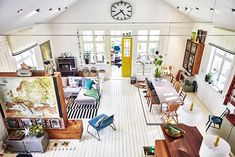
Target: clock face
121, 10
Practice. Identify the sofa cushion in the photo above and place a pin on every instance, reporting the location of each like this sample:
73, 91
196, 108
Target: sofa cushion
88, 84
84, 81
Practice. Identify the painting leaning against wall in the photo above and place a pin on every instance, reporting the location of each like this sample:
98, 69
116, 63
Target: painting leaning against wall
46, 51
29, 97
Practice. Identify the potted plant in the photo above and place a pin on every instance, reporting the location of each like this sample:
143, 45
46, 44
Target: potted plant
158, 62
208, 78
38, 130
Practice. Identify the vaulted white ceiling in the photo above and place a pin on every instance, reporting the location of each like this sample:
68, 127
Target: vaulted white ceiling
10, 19
202, 11
198, 10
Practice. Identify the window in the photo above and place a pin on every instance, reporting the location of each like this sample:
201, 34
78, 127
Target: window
220, 67
93, 45
26, 57
147, 43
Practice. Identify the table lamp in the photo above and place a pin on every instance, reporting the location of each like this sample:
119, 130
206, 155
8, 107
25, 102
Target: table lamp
190, 115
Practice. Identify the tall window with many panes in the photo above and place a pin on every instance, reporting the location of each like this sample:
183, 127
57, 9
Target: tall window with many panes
93, 46
220, 65
147, 43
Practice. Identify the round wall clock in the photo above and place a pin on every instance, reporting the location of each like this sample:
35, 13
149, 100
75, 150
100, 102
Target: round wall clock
121, 10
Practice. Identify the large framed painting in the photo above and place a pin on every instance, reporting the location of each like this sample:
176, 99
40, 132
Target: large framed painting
46, 51
28, 97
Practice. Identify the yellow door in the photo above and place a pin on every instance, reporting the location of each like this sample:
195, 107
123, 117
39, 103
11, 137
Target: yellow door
126, 56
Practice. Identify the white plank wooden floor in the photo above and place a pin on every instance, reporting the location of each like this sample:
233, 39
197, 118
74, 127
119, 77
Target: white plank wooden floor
121, 99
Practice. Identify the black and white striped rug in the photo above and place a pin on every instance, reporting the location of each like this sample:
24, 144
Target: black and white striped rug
84, 111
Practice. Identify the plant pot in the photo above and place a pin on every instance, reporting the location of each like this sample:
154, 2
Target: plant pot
206, 78
87, 60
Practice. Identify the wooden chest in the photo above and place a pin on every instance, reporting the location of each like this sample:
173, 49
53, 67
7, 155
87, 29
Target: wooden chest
73, 130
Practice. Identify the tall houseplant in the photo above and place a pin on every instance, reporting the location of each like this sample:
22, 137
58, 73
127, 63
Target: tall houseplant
158, 62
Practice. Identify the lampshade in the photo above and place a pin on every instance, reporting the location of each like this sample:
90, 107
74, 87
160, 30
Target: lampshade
208, 149
188, 117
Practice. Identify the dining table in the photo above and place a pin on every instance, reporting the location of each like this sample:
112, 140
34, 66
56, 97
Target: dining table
165, 91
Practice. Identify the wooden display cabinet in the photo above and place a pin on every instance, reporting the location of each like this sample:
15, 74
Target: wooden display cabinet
230, 96
193, 56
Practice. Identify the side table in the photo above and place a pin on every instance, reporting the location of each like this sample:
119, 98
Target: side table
29, 144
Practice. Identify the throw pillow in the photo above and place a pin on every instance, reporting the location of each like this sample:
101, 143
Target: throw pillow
88, 84
97, 124
84, 81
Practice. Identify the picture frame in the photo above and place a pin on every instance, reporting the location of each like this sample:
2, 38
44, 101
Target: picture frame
46, 51
12, 123
26, 122
41, 121
55, 123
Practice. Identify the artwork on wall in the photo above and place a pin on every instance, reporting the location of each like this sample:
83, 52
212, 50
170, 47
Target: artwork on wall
46, 51
41, 121
28, 97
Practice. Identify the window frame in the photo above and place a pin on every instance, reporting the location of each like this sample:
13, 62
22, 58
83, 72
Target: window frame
147, 42
23, 58
215, 53
93, 52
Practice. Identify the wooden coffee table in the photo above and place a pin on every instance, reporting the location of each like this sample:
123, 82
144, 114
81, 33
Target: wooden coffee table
185, 146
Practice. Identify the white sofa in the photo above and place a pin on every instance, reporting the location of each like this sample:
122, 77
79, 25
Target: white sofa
75, 85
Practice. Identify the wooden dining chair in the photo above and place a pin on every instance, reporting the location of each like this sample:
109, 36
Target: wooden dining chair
173, 79
171, 112
178, 86
150, 91
182, 96
153, 100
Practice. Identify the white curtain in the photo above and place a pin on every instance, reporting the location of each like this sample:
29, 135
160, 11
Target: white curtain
7, 62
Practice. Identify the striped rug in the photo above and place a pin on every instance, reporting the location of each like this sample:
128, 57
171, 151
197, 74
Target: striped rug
77, 111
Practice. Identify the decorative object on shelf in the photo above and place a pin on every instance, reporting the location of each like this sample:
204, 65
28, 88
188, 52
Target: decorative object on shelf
173, 130
16, 135
23, 73
55, 123
121, 10
26, 122
26, 131
37, 130
49, 67
201, 36
193, 36
66, 54
87, 58
158, 62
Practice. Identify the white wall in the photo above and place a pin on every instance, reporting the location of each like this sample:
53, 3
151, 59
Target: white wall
206, 93
2, 128
88, 11
24, 37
